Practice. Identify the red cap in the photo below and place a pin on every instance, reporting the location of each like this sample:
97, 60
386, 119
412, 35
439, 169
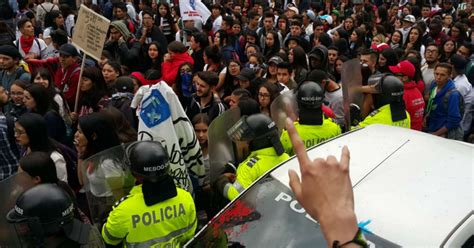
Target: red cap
405, 67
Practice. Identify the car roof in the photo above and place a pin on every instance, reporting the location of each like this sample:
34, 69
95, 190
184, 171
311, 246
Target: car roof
413, 187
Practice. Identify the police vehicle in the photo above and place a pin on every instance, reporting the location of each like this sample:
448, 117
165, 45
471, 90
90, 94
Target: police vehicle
411, 189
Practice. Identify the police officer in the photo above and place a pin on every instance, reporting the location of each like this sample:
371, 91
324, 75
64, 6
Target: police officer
312, 126
389, 106
47, 212
155, 212
266, 152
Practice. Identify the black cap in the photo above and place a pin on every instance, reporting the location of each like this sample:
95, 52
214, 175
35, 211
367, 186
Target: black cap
124, 84
246, 74
10, 51
459, 63
68, 50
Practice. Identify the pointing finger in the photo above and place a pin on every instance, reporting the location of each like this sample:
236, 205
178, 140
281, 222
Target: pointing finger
345, 158
298, 145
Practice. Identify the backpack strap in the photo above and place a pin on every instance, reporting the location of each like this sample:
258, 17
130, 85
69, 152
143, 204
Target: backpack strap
448, 95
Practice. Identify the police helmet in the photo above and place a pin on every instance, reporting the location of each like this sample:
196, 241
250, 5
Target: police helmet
46, 210
388, 88
310, 95
259, 130
148, 159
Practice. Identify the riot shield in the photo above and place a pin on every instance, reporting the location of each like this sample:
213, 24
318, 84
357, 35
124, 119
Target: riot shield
221, 148
10, 189
282, 107
351, 89
106, 178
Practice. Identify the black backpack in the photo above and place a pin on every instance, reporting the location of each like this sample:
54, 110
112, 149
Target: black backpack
6, 11
461, 100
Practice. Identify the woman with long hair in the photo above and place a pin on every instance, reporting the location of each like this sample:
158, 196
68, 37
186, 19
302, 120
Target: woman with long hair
297, 57
267, 93
40, 168
125, 131
32, 135
38, 100
272, 45
388, 57
43, 78
414, 41
93, 93
95, 134
230, 79
357, 42
458, 33
223, 42
448, 48
165, 21
153, 58
53, 21
396, 39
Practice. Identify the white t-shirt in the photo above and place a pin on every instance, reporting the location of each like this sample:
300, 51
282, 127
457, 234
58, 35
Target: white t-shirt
60, 164
39, 47
216, 25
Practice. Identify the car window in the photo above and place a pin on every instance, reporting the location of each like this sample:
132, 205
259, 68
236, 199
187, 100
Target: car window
267, 215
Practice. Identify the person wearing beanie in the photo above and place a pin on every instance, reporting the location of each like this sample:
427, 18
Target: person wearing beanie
123, 46
10, 70
414, 103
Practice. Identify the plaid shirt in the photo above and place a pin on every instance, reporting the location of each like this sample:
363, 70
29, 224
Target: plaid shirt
8, 159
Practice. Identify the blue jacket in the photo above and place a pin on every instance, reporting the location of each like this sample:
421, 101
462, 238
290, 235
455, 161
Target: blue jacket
445, 116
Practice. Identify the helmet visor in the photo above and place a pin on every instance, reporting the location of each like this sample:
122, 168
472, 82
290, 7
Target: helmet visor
375, 84
241, 131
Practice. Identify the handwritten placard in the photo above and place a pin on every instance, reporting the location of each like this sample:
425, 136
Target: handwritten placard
90, 32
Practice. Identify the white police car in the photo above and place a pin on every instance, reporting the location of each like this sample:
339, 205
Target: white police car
411, 189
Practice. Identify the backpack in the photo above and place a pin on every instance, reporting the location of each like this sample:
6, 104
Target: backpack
461, 100
6, 11
37, 43
70, 156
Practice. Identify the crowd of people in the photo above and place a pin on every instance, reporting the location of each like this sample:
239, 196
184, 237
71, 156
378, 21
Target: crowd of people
166, 77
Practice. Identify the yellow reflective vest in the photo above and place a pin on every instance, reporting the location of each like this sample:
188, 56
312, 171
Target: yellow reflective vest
170, 223
383, 115
311, 134
256, 164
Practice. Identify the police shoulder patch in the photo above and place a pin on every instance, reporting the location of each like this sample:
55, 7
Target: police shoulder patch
252, 161
121, 200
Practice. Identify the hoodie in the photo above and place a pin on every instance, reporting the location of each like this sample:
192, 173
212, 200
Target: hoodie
321, 53
441, 115
414, 104
169, 69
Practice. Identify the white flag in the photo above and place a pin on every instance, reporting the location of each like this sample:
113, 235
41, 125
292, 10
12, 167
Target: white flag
194, 10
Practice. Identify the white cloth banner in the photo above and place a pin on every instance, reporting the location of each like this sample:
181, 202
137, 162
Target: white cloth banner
194, 10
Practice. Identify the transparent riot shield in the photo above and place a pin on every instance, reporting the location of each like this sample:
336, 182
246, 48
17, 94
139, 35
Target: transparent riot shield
351, 78
282, 107
221, 148
10, 189
106, 178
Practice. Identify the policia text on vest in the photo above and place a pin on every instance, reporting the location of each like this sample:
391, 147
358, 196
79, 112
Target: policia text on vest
154, 217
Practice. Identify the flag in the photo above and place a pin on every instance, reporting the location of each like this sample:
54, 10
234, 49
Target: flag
194, 10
